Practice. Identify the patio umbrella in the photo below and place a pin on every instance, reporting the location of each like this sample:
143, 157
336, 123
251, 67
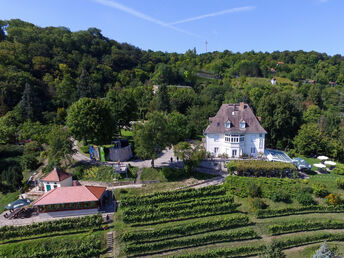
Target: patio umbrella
322, 157
319, 165
331, 163
18, 204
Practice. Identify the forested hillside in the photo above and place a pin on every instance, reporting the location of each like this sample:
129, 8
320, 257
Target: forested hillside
43, 71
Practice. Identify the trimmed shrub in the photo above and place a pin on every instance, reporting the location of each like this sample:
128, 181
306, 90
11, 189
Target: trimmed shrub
258, 204
339, 169
320, 190
305, 199
280, 196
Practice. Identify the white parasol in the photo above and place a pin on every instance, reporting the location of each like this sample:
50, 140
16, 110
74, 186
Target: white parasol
319, 165
331, 163
322, 158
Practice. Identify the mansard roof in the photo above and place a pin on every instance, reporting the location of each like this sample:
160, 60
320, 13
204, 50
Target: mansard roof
235, 113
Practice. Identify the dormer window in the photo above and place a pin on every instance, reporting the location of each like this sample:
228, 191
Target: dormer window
228, 124
242, 124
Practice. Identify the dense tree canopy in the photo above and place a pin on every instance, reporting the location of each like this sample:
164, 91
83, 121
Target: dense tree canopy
44, 71
90, 120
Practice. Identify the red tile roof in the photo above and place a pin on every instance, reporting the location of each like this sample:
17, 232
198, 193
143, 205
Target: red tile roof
96, 190
56, 175
71, 194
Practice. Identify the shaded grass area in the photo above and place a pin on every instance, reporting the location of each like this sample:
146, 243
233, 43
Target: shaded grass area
329, 180
167, 174
6, 199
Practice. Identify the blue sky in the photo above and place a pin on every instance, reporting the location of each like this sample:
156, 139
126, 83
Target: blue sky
179, 25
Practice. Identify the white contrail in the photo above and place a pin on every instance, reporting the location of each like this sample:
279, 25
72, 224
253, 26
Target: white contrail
233, 10
143, 16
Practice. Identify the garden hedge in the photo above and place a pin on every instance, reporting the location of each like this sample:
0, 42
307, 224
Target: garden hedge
260, 168
185, 229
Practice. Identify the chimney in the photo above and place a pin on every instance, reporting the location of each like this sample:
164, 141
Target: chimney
242, 106
259, 118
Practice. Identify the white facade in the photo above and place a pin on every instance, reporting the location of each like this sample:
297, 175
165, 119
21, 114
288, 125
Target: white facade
235, 145
51, 185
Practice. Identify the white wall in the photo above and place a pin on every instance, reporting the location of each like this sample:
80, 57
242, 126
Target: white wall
67, 182
218, 140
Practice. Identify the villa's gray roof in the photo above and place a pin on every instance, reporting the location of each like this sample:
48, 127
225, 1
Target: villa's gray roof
235, 113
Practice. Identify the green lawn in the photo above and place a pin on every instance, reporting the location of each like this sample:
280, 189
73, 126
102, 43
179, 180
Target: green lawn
6, 199
152, 174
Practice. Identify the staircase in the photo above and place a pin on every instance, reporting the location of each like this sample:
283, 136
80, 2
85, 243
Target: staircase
109, 239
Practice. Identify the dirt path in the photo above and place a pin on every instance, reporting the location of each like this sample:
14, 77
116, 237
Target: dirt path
138, 178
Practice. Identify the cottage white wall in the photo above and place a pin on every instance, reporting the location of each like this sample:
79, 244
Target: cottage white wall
67, 182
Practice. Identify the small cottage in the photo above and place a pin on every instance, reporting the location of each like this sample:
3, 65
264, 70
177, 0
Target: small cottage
56, 178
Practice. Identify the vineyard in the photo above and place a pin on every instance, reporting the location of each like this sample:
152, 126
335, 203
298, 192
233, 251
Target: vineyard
217, 221
75, 237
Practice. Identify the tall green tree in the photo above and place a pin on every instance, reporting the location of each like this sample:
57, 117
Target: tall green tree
190, 154
163, 99
309, 140
153, 136
90, 120
60, 145
123, 108
281, 115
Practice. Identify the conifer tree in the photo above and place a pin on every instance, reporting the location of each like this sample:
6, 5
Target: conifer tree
83, 86
323, 252
30, 104
163, 99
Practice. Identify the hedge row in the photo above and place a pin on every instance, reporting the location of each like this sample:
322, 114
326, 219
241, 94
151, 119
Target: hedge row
304, 226
307, 239
86, 222
68, 246
241, 251
194, 212
186, 229
241, 234
169, 207
260, 168
172, 196
269, 213
90, 249
238, 186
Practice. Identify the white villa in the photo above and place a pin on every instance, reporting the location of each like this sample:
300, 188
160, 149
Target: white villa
235, 131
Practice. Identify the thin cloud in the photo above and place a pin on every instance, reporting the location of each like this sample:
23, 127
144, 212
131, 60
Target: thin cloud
233, 10
143, 16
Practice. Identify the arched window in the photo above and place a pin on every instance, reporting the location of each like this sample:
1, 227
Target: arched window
228, 124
